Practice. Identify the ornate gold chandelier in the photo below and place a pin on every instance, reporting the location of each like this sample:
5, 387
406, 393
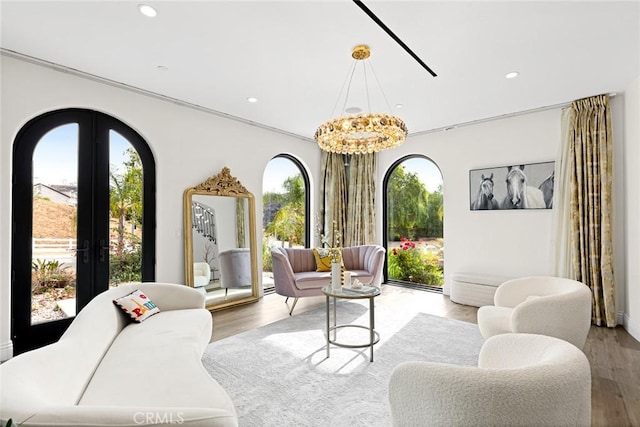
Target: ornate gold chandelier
364, 132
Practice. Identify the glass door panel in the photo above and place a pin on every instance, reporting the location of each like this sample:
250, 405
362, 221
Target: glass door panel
54, 225
125, 208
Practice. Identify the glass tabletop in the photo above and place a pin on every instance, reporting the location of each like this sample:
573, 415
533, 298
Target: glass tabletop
345, 292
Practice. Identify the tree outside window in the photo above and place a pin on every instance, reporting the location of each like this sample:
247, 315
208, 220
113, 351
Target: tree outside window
284, 207
414, 219
125, 203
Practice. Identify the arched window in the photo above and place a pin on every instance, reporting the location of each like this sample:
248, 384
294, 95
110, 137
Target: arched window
83, 218
285, 208
413, 223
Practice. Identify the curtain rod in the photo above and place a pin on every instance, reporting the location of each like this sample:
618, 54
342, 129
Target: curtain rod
502, 116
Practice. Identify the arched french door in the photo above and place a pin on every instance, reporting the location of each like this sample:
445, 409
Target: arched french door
83, 218
285, 209
413, 223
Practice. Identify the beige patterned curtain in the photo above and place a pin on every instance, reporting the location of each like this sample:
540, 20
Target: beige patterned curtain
360, 206
241, 240
334, 188
561, 245
591, 146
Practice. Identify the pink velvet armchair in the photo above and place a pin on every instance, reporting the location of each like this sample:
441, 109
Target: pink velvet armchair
295, 275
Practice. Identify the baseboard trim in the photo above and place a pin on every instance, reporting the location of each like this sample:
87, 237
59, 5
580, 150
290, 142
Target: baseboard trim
620, 318
6, 351
631, 327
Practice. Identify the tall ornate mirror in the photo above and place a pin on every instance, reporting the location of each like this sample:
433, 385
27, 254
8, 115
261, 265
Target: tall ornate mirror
220, 251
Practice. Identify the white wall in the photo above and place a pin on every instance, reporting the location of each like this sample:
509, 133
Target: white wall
632, 211
505, 243
190, 146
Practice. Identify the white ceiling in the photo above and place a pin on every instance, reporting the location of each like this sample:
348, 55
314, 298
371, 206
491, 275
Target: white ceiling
294, 56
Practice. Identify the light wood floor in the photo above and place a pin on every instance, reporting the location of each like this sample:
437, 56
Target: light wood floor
613, 353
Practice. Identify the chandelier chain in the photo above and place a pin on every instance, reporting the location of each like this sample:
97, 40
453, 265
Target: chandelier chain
366, 85
346, 98
384, 95
347, 79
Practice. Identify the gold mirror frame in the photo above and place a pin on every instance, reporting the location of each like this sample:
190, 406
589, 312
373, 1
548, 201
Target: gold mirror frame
222, 185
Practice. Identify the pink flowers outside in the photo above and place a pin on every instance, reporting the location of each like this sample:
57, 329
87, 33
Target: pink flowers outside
416, 262
405, 245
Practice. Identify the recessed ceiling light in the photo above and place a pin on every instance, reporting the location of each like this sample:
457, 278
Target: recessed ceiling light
399, 105
353, 110
162, 68
147, 10
252, 100
512, 75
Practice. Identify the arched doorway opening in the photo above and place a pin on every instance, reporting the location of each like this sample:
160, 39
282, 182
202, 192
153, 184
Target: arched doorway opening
285, 209
413, 223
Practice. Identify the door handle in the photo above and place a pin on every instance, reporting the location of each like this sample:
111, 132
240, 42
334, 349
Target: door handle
85, 251
104, 251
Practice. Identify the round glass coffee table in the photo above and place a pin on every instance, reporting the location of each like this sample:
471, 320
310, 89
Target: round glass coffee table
346, 293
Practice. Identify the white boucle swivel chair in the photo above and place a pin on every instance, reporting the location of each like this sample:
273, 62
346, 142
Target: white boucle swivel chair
201, 274
520, 380
542, 305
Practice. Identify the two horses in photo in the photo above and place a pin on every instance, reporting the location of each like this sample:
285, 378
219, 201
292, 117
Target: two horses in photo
520, 195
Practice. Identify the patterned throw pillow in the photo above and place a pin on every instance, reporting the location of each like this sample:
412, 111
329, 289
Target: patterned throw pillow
323, 258
137, 305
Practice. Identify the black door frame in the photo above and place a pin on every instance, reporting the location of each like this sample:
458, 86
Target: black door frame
93, 216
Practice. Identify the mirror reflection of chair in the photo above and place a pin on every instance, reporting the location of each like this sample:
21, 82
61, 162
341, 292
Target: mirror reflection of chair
219, 214
235, 269
201, 275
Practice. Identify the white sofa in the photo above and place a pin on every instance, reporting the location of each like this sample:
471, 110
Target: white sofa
520, 380
106, 370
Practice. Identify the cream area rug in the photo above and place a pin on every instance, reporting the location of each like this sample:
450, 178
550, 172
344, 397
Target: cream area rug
279, 374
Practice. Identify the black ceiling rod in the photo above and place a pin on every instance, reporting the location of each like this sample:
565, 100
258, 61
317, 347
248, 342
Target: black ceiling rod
393, 36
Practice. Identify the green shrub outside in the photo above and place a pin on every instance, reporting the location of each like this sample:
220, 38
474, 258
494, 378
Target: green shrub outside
267, 263
48, 274
125, 265
412, 262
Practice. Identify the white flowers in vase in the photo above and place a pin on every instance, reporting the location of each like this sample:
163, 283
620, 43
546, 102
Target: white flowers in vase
325, 239
331, 248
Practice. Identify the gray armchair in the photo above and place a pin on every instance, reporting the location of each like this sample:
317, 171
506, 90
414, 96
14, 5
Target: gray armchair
235, 269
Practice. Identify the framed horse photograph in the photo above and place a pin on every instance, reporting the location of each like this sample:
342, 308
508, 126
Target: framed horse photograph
524, 186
